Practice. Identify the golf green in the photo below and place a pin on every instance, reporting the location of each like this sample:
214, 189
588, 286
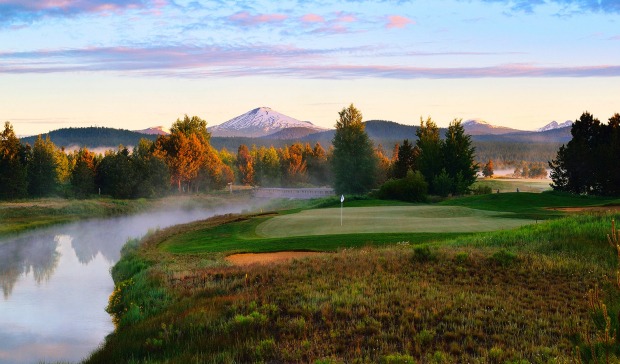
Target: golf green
388, 219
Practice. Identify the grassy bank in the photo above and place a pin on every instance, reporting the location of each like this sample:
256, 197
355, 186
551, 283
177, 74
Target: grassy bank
19, 216
518, 296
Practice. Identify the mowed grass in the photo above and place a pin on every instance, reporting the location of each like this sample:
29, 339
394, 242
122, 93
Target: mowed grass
529, 205
240, 235
387, 219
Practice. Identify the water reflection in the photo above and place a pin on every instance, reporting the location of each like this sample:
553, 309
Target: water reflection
56, 283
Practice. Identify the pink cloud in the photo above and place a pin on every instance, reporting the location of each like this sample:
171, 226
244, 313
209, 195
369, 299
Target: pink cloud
397, 21
244, 18
345, 18
312, 18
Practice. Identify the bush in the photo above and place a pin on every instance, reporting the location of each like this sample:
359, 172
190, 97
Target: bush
423, 254
482, 190
412, 188
503, 258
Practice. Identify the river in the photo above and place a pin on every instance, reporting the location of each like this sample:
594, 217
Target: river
56, 283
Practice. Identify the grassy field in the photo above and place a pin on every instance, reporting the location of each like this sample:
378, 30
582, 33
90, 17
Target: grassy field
512, 184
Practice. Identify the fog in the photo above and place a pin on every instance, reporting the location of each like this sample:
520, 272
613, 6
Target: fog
56, 282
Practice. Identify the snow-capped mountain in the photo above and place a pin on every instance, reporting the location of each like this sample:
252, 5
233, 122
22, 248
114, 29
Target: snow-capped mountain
155, 130
479, 127
555, 125
259, 122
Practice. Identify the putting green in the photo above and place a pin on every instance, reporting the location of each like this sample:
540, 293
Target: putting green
388, 219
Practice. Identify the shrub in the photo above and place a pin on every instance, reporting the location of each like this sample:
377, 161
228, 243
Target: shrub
412, 188
423, 254
482, 190
397, 359
503, 258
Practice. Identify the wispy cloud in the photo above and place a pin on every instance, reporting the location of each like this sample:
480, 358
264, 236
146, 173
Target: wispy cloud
19, 11
529, 6
398, 21
242, 61
312, 18
245, 18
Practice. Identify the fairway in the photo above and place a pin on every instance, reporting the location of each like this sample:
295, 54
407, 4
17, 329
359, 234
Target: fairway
388, 219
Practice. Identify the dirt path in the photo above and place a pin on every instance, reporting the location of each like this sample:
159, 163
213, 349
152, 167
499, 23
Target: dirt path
265, 258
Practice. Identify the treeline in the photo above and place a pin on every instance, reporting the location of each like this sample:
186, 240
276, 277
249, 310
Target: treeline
289, 166
93, 137
183, 160
588, 163
431, 165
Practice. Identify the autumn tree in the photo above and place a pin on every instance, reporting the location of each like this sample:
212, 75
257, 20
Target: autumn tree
487, 170
13, 170
294, 165
354, 163
384, 165
184, 150
245, 165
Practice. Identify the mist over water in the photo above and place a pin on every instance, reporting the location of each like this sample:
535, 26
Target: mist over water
56, 283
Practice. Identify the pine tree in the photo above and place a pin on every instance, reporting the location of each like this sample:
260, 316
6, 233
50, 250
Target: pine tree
430, 160
459, 158
13, 168
43, 178
405, 161
354, 164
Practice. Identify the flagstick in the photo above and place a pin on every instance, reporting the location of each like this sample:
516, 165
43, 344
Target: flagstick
340, 213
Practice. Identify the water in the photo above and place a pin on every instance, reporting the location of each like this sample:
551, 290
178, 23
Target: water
56, 283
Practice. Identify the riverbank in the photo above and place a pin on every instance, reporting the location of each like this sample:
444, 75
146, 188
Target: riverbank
24, 215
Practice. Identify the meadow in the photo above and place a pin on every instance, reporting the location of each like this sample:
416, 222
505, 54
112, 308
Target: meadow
541, 293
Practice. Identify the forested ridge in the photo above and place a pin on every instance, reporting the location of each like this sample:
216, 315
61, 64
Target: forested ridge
91, 137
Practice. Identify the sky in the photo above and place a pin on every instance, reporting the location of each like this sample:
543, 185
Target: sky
134, 64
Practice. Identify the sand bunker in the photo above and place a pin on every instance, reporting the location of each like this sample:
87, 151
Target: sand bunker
265, 258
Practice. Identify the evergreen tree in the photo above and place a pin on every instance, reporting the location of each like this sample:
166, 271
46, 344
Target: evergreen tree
405, 161
13, 167
83, 173
459, 158
578, 167
430, 160
43, 178
354, 163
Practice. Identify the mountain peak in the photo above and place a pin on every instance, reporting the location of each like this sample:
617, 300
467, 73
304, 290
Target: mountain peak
555, 125
480, 127
259, 122
154, 130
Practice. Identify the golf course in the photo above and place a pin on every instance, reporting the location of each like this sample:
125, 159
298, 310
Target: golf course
393, 282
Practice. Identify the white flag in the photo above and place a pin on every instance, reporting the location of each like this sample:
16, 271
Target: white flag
342, 198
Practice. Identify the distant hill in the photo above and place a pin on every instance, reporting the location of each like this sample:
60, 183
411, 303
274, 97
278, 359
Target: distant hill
295, 133
561, 135
92, 137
